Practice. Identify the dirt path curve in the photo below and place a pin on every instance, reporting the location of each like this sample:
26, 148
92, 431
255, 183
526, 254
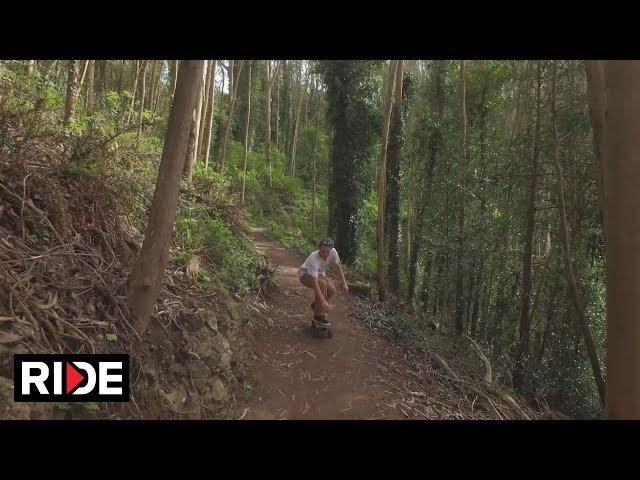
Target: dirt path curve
301, 377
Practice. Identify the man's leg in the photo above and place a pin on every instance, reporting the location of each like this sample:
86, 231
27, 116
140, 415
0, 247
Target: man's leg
322, 283
307, 281
331, 289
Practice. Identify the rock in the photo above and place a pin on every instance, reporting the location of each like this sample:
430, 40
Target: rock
149, 369
192, 267
212, 322
225, 356
218, 390
132, 235
199, 369
176, 397
193, 321
10, 410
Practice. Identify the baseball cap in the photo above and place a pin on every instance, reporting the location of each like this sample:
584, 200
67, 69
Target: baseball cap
327, 242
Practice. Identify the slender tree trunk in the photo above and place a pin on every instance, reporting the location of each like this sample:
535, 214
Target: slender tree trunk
476, 302
224, 79
294, 138
231, 70
426, 283
175, 77
135, 89
158, 91
382, 172
597, 107
246, 133
84, 74
525, 318
205, 108
392, 201
210, 109
276, 131
267, 117
31, 67
145, 281
463, 161
313, 174
72, 83
90, 84
101, 85
53, 66
550, 314
192, 149
227, 127
583, 320
142, 98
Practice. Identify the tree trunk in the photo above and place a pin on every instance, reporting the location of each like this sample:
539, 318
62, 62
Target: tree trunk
231, 70
143, 90
72, 82
525, 319
227, 127
90, 84
475, 309
157, 82
192, 149
135, 88
53, 66
246, 133
313, 174
83, 76
152, 83
294, 138
597, 107
205, 108
267, 117
210, 109
621, 135
145, 281
392, 201
394, 65
175, 77
426, 283
277, 79
101, 83
31, 67
460, 249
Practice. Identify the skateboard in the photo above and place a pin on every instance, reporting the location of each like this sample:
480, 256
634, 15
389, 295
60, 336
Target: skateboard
321, 326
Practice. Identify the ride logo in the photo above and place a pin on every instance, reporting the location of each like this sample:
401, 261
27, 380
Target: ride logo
71, 378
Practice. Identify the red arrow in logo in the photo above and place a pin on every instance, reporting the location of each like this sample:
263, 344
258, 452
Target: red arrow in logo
74, 377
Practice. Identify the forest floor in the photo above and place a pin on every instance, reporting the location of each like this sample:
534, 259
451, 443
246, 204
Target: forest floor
357, 374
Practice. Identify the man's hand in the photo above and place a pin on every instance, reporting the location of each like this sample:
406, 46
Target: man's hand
345, 287
324, 305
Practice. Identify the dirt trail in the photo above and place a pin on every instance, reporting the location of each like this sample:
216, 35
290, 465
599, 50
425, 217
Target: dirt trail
301, 377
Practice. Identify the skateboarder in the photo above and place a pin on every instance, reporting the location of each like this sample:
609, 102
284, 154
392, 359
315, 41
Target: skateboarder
312, 274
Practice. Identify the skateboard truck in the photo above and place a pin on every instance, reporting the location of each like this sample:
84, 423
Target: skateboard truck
321, 326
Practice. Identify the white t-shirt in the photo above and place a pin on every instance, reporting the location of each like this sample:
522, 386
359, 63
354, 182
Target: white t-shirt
315, 266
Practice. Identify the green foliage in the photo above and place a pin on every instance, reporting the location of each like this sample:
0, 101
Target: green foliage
353, 112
